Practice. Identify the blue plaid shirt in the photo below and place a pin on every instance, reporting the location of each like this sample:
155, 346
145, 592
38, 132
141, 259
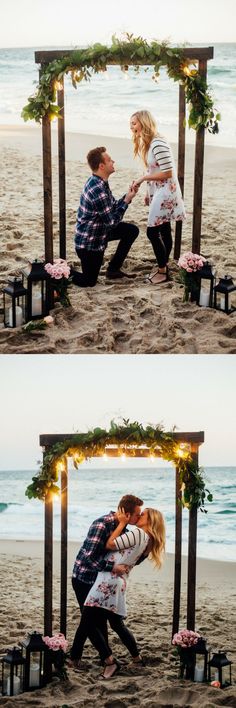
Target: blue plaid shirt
97, 213
91, 557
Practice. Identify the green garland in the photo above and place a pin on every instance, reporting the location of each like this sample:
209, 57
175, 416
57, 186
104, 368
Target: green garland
93, 444
82, 63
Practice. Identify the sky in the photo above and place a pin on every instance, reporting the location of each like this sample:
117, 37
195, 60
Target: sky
31, 23
66, 394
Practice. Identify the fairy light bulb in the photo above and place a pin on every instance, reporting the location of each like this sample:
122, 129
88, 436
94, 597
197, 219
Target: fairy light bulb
105, 457
123, 456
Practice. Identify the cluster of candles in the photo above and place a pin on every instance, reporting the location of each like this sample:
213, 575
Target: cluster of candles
24, 666
29, 297
221, 295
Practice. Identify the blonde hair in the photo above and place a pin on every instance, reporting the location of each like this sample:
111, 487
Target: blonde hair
157, 532
149, 131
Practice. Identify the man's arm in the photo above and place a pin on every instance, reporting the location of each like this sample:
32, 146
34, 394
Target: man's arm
110, 210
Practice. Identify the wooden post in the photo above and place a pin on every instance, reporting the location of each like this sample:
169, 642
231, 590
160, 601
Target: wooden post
178, 544
47, 190
198, 177
192, 558
181, 164
64, 516
48, 564
62, 172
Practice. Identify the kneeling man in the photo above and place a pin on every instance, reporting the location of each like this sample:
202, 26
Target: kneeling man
99, 220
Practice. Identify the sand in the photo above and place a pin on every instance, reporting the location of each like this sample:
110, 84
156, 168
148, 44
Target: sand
150, 597
119, 317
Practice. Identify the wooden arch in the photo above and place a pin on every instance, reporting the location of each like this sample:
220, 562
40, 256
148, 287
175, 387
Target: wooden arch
194, 440
200, 55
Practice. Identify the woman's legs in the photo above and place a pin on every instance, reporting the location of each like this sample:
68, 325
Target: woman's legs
117, 624
161, 240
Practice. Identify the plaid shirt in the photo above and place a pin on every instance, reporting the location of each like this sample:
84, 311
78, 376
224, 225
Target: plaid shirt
90, 559
97, 213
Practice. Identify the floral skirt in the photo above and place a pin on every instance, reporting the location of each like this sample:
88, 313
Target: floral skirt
166, 203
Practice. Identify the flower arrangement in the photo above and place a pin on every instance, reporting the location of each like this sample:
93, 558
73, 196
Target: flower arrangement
82, 63
186, 638
186, 642
60, 272
38, 324
189, 264
58, 645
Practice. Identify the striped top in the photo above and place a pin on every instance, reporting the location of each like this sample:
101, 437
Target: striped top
162, 154
129, 539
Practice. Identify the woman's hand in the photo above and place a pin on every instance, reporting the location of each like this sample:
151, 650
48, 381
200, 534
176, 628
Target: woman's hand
122, 516
137, 182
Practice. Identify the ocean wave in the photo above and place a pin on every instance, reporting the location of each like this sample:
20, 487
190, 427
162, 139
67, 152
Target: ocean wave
3, 507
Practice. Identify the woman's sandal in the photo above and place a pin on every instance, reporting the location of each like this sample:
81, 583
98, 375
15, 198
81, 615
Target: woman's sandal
163, 277
114, 667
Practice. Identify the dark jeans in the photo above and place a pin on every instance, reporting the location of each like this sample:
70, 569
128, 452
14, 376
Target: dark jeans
91, 261
81, 591
92, 625
161, 240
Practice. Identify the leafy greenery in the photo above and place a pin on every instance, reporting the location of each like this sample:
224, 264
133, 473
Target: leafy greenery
126, 437
136, 51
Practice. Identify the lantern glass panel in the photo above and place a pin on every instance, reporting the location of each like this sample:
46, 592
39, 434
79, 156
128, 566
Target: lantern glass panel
12, 305
225, 679
13, 679
232, 300
34, 669
38, 298
205, 293
220, 301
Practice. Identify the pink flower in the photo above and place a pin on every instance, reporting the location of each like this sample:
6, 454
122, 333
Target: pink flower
48, 319
58, 269
186, 638
58, 641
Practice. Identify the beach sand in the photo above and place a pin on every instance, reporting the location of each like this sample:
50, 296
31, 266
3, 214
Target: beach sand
121, 317
150, 599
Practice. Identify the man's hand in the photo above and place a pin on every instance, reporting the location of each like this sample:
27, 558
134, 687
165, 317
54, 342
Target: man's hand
130, 194
120, 569
122, 516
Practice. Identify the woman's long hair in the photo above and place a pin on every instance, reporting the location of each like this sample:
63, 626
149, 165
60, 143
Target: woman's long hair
149, 131
157, 532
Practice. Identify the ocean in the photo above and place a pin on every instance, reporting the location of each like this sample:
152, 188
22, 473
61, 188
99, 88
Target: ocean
94, 491
103, 106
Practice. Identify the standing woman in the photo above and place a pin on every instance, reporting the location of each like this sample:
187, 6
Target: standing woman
163, 191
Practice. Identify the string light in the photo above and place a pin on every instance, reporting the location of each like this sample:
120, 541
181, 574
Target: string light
58, 85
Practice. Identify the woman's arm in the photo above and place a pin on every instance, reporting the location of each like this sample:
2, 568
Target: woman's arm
123, 519
154, 177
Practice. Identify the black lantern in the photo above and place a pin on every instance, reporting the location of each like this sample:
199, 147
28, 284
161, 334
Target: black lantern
225, 295
206, 284
13, 672
201, 660
14, 303
34, 650
37, 281
221, 668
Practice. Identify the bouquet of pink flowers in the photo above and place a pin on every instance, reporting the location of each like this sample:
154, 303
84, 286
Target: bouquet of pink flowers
185, 641
58, 645
189, 264
186, 638
60, 274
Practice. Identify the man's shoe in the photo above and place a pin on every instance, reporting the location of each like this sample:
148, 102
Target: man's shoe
117, 274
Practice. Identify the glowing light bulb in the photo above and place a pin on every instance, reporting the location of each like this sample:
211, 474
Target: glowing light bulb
123, 456
105, 458
58, 86
151, 458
